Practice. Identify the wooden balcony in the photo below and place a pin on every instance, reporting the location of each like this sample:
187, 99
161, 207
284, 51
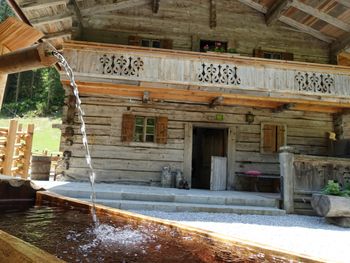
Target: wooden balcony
213, 78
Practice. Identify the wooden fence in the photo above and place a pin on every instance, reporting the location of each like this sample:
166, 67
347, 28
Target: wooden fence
16, 149
303, 175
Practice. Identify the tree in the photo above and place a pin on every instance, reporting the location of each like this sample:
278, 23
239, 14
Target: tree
5, 10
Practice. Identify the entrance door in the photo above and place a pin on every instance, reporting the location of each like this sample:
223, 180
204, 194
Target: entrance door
207, 142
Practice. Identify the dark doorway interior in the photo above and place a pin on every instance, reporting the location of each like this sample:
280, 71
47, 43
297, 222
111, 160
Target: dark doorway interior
207, 142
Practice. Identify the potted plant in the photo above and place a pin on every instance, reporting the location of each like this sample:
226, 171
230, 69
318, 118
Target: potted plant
333, 203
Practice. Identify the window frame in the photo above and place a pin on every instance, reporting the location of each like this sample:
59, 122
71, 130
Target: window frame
262, 151
151, 42
144, 128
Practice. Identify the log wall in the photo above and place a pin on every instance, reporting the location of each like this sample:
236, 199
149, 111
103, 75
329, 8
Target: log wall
186, 22
142, 162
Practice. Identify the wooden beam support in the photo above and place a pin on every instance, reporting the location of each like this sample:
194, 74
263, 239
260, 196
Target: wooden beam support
79, 18
51, 19
277, 10
212, 15
34, 57
155, 6
284, 107
146, 97
56, 35
254, 5
112, 7
41, 4
306, 29
340, 45
345, 3
321, 15
216, 101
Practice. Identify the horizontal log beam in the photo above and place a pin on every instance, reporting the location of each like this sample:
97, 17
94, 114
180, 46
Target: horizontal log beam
96, 9
34, 57
40, 4
51, 19
204, 97
57, 35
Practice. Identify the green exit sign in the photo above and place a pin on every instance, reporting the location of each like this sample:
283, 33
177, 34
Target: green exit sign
219, 117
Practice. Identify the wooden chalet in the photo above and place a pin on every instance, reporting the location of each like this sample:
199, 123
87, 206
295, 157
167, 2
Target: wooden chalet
156, 92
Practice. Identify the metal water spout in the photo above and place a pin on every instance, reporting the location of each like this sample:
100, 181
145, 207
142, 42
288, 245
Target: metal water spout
34, 57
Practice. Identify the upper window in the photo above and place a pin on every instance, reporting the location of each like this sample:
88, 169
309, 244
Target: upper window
150, 43
272, 54
136, 128
211, 45
273, 136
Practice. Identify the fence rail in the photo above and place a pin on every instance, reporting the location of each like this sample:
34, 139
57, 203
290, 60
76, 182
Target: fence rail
16, 149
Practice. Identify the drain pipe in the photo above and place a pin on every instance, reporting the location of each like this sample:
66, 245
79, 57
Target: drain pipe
34, 57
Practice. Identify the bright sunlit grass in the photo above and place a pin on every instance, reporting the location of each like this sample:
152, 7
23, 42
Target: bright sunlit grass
46, 138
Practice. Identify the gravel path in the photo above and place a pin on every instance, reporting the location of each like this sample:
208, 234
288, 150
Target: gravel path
300, 234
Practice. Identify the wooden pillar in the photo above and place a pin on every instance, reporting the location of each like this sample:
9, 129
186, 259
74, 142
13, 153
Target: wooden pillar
231, 158
28, 150
3, 77
10, 147
342, 125
286, 158
188, 153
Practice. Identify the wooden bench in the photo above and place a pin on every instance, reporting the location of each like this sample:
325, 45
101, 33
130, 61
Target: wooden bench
255, 181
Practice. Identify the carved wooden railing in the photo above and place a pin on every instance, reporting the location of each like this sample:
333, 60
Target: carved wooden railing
212, 72
303, 175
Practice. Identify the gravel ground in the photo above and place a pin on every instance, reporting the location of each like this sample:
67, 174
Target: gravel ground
300, 234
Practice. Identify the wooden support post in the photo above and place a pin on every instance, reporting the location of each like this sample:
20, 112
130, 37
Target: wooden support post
212, 22
286, 158
216, 101
188, 153
10, 147
28, 150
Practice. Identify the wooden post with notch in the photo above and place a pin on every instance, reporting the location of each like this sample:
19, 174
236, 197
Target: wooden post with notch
10, 147
28, 149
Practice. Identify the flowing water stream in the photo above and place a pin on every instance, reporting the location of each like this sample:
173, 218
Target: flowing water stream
63, 62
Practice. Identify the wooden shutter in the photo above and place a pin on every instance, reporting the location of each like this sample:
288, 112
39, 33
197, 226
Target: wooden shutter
167, 44
128, 126
134, 41
259, 53
287, 56
281, 136
269, 138
162, 130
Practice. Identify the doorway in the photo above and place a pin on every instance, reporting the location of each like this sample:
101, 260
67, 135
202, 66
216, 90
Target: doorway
207, 142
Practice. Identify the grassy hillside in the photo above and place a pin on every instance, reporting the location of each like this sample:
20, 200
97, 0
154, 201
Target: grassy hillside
45, 137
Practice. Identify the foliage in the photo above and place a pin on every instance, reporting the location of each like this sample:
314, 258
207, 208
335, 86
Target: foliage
334, 188
33, 93
5, 10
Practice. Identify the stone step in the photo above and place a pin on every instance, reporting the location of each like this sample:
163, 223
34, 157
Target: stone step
236, 199
187, 207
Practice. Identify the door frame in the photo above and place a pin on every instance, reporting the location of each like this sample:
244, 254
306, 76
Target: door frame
231, 151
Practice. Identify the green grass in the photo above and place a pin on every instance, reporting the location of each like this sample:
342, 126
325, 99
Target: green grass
46, 138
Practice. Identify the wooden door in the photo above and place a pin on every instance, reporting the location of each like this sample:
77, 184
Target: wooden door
218, 173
